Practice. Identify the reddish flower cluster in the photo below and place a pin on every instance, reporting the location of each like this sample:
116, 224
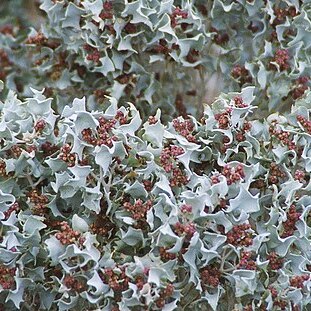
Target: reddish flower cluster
298, 280
177, 13
166, 256
100, 95
38, 39
152, 120
139, 209
164, 48
241, 74
275, 173
289, 225
281, 58
48, 149
305, 123
107, 12
15, 151
186, 230
169, 156
277, 302
13, 208
117, 280
3, 168
178, 178
67, 156
246, 261
140, 281
165, 294
240, 235
300, 176
7, 277
39, 126
40, 202
275, 261
148, 185
73, 284
220, 37
224, 119
232, 174
282, 13
186, 208
67, 235
210, 276
215, 178
102, 225
103, 134
238, 102
282, 136
240, 136
301, 86
184, 128
93, 53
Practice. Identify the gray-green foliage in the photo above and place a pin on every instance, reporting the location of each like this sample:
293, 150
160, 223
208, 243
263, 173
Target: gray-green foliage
102, 211
168, 54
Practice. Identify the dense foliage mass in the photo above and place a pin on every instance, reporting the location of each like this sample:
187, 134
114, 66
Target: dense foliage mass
169, 54
100, 211
112, 197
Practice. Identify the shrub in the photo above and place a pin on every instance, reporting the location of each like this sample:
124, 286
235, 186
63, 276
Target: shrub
101, 211
174, 55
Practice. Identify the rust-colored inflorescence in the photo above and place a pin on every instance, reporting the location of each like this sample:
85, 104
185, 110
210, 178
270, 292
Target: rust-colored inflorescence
210, 276
240, 235
7, 277
67, 235
289, 226
275, 261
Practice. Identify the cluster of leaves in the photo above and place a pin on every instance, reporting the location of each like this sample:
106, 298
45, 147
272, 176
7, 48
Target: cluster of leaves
102, 211
164, 54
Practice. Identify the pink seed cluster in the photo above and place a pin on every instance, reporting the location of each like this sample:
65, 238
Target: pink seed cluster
103, 134
66, 155
139, 209
107, 12
301, 86
306, 124
74, 284
117, 279
282, 136
165, 294
275, 173
186, 230
233, 174
67, 235
184, 128
93, 53
169, 156
177, 13
289, 225
241, 74
210, 276
13, 208
39, 126
300, 176
224, 119
246, 261
298, 280
240, 235
281, 57
7, 277
275, 261
238, 102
